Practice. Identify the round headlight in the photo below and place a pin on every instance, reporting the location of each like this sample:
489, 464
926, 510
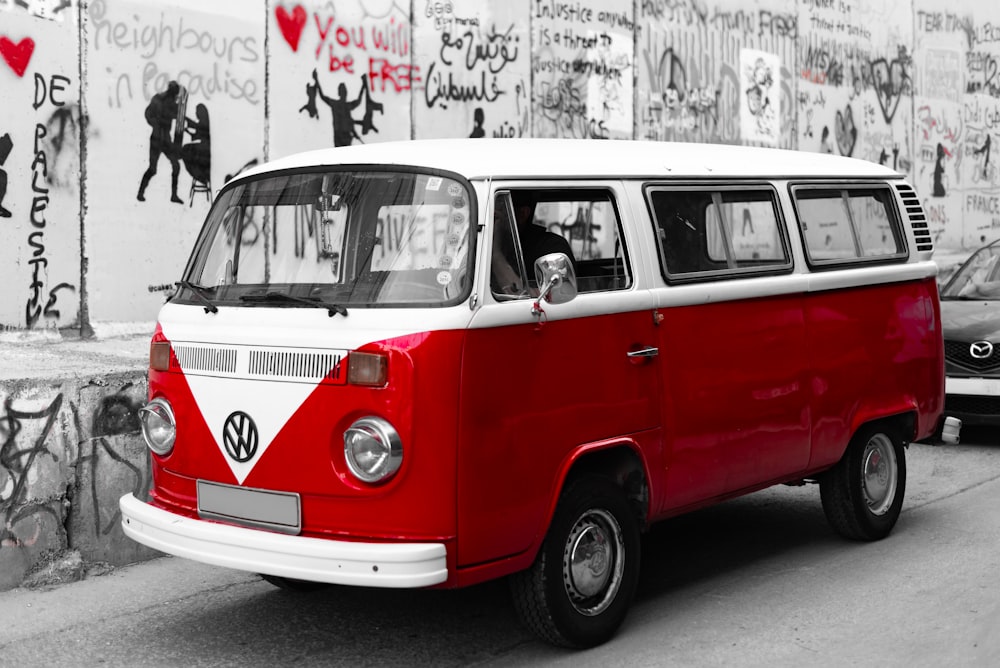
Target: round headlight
158, 426
373, 449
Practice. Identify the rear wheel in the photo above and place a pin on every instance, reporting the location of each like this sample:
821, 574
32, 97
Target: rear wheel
578, 591
863, 494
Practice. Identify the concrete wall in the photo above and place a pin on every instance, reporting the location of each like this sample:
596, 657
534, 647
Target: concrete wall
909, 83
68, 450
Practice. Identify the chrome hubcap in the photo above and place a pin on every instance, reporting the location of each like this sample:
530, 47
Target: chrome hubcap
593, 562
879, 474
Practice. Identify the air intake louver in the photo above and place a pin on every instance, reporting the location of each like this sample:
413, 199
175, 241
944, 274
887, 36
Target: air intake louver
915, 214
198, 358
294, 365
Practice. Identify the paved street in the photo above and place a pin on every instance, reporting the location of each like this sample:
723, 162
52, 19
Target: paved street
760, 581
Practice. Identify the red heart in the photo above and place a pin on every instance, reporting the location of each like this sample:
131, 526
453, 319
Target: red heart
291, 24
17, 55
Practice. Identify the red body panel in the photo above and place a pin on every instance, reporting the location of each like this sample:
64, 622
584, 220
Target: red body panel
530, 396
307, 455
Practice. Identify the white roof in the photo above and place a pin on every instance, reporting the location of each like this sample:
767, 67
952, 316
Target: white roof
586, 158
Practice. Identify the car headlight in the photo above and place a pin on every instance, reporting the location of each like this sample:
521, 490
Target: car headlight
373, 449
158, 426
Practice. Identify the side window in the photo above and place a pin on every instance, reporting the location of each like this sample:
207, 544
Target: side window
708, 231
848, 224
582, 223
506, 272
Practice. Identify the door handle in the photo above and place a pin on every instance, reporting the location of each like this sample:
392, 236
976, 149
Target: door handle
644, 352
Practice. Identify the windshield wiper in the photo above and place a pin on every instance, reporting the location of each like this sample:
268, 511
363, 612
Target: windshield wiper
199, 292
331, 309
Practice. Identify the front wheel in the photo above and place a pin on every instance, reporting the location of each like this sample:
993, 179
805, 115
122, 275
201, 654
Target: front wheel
863, 494
578, 591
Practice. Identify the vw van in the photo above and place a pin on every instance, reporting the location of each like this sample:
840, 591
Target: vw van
434, 363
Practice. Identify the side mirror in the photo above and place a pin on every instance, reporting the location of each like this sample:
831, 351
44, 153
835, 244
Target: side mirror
556, 278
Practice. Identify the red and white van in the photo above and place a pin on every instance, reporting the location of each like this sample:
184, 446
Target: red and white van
433, 363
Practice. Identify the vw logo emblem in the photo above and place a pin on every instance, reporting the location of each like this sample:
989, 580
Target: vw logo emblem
981, 349
240, 437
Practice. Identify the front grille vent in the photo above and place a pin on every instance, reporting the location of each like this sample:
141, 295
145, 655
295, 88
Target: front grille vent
294, 365
917, 218
201, 358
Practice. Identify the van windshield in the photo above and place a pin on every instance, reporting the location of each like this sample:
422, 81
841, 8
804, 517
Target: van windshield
344, 238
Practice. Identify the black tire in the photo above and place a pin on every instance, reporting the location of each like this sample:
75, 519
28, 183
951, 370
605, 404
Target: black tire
290, 584
863, 494
583, 604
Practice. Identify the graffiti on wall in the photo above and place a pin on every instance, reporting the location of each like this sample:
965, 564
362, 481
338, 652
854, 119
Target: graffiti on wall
6, 144
101, 456
52, 10
582, 70
180, 139
911, 84
698, 82
24, 518
855, 89
358, 62
474, 57
43, 297
957, 122
760, 93
17, 55
40, 473
185, 71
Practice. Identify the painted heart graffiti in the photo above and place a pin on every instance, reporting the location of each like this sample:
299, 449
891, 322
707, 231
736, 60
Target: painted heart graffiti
890, 82
291, 25
17, 55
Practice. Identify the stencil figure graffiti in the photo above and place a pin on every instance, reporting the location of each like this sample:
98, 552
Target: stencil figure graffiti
163, 114
310, 105
478, 118
342, 108
197, 153
5, 148
983, 150
942, 153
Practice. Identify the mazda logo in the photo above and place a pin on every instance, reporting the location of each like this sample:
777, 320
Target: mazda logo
981, 349
240, 437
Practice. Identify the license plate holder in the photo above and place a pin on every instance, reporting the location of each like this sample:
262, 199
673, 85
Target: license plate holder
259, 508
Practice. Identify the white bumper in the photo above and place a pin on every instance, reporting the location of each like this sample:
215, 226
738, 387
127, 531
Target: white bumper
989, 387
400, 565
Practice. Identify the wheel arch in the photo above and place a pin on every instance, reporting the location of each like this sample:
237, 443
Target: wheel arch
902, 424
621, 461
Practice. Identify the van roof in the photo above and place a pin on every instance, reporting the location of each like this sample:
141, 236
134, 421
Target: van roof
586, 158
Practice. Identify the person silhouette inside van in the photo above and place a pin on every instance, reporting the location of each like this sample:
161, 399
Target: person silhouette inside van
536, 240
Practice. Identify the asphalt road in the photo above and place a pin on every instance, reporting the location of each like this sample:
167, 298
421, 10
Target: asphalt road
758, 581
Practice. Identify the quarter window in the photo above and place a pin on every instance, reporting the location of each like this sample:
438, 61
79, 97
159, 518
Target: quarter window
848, 224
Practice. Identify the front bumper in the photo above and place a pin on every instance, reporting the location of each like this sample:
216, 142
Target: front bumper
394, 565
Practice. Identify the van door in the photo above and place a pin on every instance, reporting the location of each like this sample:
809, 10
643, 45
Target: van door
734, 363
534, 388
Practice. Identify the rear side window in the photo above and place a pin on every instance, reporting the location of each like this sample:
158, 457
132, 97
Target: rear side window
848, 224
718, 231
